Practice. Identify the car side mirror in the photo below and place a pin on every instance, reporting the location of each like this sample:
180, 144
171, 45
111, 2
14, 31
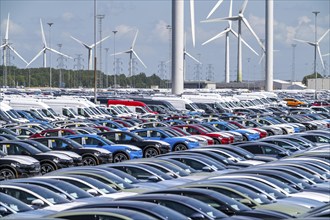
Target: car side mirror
37, 203
26, 153
207, 169
246, 202
283, 154
197, 216
153, 179
3, 211
93, 192
68, 147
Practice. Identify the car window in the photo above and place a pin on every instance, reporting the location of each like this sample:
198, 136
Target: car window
253, 149
25, 197
51, 134
270, 150
177, 207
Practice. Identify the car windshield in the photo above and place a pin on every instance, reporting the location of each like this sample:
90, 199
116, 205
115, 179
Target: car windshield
74, 191
14, 204
48, 195
72, 143
105, 189
37, 145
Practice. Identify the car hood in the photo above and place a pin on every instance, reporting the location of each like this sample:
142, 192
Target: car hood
68, 153
62, 156
157, 141
22, 159
132, 147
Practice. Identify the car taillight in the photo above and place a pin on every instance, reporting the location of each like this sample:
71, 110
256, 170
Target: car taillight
210, 142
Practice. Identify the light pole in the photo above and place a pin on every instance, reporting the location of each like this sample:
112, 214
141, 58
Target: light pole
106, 68
315, 48
114, 59
169, 28
293, 63
50, 56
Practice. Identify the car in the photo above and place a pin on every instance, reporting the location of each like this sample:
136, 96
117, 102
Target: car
49, 161
271, 130
261, 148
221, 202
90, 156
100, 213
10, 205
316, 137
294, 102
177, 143
150, 148
286, 144
154, 210
12, 167
54, 132
248, 134
77, 159
189, 207
120, 152
35, 196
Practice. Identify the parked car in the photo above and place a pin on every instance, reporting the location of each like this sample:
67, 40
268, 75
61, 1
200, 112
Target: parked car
90, 156
150, 148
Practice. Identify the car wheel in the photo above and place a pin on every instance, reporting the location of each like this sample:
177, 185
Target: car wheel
284, 131
179, 147
245, 138
89, 161
270, 133
6, 174
150, 152
216, 141
46, 168
118, 157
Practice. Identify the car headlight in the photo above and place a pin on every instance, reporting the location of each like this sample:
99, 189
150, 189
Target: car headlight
56, 160
18, 165
97, 154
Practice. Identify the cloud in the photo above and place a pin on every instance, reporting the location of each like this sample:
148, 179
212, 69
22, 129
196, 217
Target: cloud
67, 16
161, 32
14, 28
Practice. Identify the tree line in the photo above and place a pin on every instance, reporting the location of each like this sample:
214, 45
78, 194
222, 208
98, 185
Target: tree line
64, 78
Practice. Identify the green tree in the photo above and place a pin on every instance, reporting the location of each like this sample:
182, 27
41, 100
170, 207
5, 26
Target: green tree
311, 76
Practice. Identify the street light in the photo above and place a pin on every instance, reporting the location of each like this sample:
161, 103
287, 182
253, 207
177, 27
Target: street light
114, 59
315, 48
50, 56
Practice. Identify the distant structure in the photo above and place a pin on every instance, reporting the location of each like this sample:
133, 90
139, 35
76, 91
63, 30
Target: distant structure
209, 72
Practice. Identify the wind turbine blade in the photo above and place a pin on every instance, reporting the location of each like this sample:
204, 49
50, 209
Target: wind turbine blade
17, 54
192, 21
230, 12
122, 52
3, 45
134, 40
39, 54
262, 57
214, 8
323, 35
327, 54
216, 36
85, 45
55, 51
7, 29
319, 51
254, 34
244, 42
99, 41
135, 54
43, 34
303, 41
243, 7
233, 18
192, 57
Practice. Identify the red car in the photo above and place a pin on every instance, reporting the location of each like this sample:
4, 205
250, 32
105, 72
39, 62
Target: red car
196, 129
210, 141
262, 132
321, 103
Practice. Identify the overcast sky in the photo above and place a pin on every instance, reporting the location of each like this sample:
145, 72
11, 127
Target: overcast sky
292, 19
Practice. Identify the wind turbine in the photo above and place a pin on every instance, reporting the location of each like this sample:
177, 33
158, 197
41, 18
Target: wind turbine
89, 48
6, 46
226, 32
131, 52
317, 45
240, 18
185, 53
45, 48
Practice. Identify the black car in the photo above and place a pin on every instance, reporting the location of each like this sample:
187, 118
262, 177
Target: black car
77, 159
12, 167
90, 156
150, 148
48, 161
265, 149
10, 205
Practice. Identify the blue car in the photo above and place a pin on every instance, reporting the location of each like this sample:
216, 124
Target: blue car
120, 152
248, 134
177, 143
112, 124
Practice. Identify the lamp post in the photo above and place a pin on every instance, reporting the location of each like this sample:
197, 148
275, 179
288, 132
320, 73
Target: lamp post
315, 48
114, 59
50, 56
293, 64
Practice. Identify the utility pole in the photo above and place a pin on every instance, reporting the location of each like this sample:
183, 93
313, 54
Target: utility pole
114, 59
315, 48
78, 66
60, 65
100, 18
50, 56
209, 72
293, 78
106, 68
